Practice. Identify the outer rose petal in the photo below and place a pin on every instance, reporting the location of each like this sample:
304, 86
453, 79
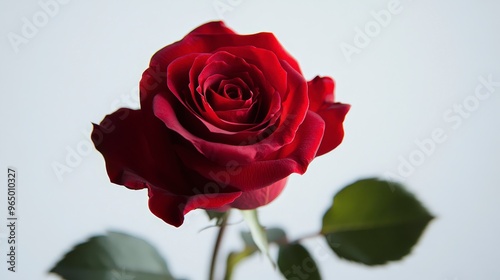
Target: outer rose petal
263, 40
320, 91
260, 197
333, 115
129, 159
172, 208
321, 98
138, 161
214, 27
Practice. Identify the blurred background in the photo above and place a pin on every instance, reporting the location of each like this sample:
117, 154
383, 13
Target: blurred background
409, 69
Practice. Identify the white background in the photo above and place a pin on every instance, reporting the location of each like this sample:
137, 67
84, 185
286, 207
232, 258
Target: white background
88, 57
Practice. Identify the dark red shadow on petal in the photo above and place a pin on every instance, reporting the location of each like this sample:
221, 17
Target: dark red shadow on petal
139, 154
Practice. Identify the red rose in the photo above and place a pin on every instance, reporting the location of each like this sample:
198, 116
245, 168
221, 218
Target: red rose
224, 119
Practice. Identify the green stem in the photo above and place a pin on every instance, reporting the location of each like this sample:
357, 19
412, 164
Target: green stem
218, 241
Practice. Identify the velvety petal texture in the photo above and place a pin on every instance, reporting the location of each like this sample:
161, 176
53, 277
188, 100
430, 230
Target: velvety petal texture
224, 120
321, 96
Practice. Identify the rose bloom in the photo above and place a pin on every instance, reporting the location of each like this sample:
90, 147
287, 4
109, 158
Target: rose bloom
224, 120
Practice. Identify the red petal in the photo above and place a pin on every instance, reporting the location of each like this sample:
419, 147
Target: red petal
172, 208
294, 108
132, 159
205, 39
306, 143
264, 60
333, 115
208, 43
214, 27
260, 197
263, 40
139, 154
320, 91
248, 176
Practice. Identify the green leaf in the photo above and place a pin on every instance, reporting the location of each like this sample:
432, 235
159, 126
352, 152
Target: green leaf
274, 235
258, 233
295, 262
115, 256
374, 221
234, 258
